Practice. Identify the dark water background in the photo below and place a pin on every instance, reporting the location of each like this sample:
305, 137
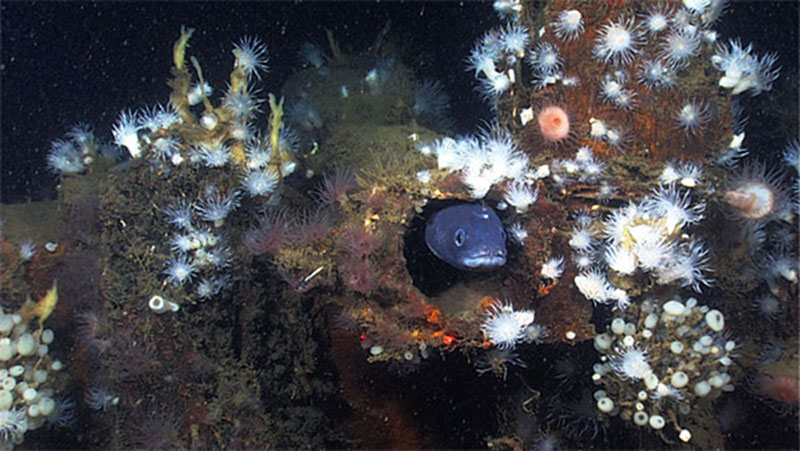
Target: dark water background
71, 62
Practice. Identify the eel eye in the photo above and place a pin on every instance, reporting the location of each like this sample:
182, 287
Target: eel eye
459, 237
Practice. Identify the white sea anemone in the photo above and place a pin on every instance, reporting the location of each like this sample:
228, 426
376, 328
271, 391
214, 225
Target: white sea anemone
693, 116
64, 158
621, 260
653, 250
593, 285
514, 39
126, 133
544, 59
493, 87
505, 327
670, 174
504, 159
211, 155
743, 70
197, 92
183, 243
664, 391
481, 60
654, 74
612, 91
214, 206
259, 182
424, 176
520, 196
484, 160
251, 56
631, 363
180, 270
791, 155
242, 104
688, 264
581, 240
553, 268
583, 261
179, 214
477, 182
508, 9
621, 299
517, 232
616, 226
618, 42
782, 265
258, 154
617, 137
13, 424
696, 7
678, 46
675, 208
687, 174
569, 25
657, 19
767, 306
158, 117
535, 333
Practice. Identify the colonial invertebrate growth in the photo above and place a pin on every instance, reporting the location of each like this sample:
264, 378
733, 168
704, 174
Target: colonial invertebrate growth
29, 372
657, 366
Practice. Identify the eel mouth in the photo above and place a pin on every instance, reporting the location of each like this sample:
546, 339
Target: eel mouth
485, 260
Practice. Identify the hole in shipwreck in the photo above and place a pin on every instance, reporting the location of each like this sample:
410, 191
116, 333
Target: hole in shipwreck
431, 275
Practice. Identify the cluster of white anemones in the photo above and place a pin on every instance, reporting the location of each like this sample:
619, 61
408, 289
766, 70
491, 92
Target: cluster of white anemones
485, 160
26, 368
196, 247
648, 236
654, 370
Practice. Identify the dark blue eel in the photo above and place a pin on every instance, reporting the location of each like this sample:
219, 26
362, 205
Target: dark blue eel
467, 236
